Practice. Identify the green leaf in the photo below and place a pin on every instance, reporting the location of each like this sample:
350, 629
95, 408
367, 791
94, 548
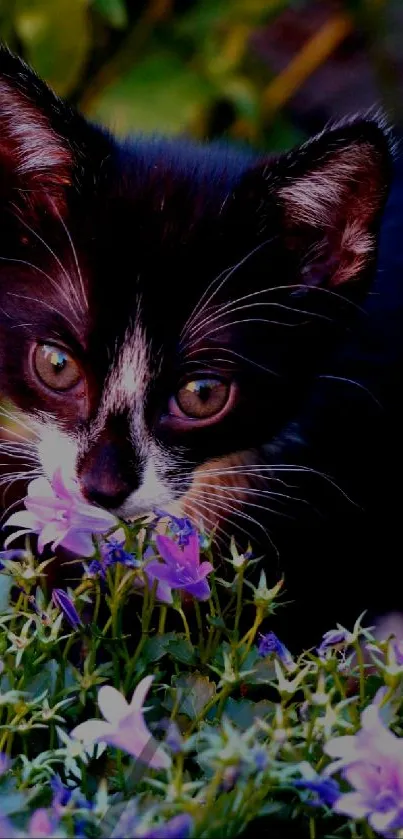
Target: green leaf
155, 648
263, 673
44, 680
180, 650
6, 584
243, 712
55, 37
195, 692
159, 94
114, 11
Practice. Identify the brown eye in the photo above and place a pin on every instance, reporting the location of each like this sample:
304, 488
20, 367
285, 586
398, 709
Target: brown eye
55, 367
203, 398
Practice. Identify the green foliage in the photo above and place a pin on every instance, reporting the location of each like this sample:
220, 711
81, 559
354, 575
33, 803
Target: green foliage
175, 66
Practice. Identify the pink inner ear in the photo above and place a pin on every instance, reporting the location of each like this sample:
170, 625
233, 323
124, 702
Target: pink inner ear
31, 153
338, 201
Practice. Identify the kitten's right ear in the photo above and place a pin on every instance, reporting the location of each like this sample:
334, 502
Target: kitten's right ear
38, 140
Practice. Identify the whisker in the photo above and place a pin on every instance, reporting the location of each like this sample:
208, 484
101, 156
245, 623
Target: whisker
226, 274
15, 418
44, 274
227, 310
43, 303
55, 257
237, 354
244, 320
224, 496
258, 469
356, 384
75, 257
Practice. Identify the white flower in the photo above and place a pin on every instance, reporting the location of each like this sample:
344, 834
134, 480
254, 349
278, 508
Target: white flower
124, 727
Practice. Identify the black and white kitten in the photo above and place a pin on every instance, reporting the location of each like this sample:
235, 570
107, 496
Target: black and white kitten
202, 330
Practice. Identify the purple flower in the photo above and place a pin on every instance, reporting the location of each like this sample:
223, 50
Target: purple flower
333, 638
63, 602
6, 828
371, 761
15, 555
174, 739
58, 513
260, 759
269, 644
398, 650
181, 568
113, 551
41, 824
124, 726
180, 827
61, 794
326, 790
182, 528
5, 763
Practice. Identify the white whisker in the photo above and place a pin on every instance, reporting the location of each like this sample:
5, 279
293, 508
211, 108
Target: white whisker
356, 384
226, 275
55, 257
44, 274
43, 303
75, 257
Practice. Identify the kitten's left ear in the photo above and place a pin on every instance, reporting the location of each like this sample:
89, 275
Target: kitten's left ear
42, 141
327, 197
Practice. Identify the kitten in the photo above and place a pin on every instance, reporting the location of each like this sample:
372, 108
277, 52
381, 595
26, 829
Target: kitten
201, 329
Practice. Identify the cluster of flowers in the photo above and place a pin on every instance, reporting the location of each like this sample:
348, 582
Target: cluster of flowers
334, 754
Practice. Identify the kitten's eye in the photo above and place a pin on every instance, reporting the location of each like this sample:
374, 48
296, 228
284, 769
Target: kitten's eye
203, 398
55, 367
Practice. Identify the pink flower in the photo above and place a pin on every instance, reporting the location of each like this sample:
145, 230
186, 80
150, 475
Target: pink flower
181, 568
124, 727
372, 763
58, 513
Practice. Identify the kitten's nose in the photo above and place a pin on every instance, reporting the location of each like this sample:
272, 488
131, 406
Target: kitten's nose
109, 494
105, 476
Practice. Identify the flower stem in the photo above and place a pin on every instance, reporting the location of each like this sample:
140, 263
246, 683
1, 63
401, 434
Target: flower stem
361, 665
162, 619
250, 636
200, 627
185, 625
239, 591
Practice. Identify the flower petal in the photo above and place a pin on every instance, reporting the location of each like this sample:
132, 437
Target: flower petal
170, 551
199, 590
344, 746
40, 488
112, 704
78, 543
63, 489
156, 570
192, 550
381, 821
140, 693
91, 731
52, 532
133, 737
364, 777
23, 519
352, 804
204, 569
13, 536
179, 827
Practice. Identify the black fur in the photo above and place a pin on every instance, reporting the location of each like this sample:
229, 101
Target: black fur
153, 222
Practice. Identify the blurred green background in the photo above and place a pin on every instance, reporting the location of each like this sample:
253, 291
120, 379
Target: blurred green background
265, 72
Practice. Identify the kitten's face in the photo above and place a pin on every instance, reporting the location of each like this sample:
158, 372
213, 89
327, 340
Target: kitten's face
162, 305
